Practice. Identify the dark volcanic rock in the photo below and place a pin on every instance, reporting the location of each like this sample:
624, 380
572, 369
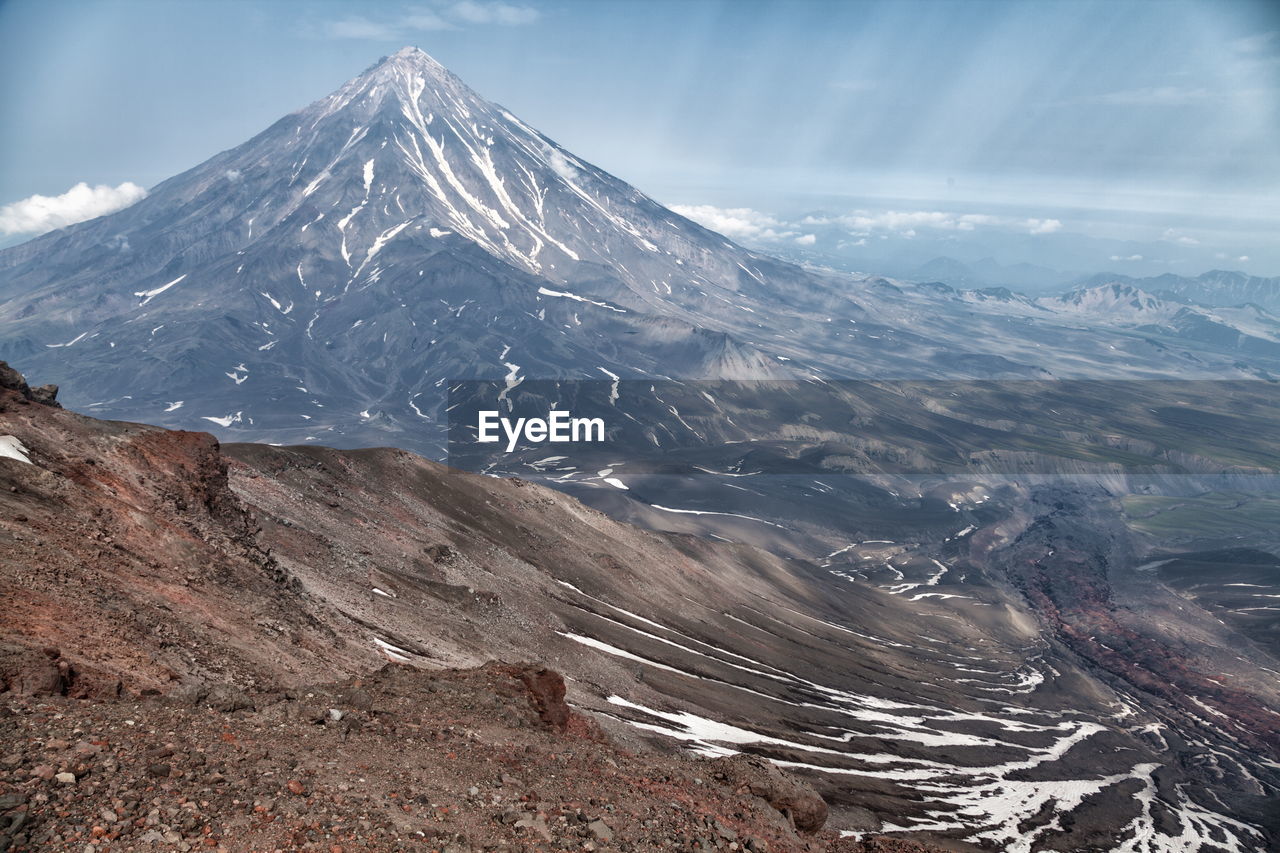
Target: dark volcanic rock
47, 394
12, 380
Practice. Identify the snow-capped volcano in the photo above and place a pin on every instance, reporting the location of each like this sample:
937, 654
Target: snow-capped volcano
359, 252
328, 279
407, 153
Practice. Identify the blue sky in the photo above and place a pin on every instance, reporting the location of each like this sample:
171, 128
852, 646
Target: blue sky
1139, 124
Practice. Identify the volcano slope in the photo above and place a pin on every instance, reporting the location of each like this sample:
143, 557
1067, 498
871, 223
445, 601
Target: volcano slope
158, 562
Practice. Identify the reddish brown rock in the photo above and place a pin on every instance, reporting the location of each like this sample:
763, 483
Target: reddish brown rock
546, 692
799, 802
32, 672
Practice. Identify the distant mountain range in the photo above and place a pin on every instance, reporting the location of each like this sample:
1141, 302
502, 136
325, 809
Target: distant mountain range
1246, 328
1026, 278
1213, 288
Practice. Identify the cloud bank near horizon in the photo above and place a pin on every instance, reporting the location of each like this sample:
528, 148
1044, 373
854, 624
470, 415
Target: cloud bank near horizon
745, 223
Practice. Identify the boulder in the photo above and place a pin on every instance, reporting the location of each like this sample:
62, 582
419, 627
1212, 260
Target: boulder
800, 803
12, 380
546, 692
46, 394
33, 672
226, 698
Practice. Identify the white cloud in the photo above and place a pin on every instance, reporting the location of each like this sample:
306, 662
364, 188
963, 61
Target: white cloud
432, 17
862, 222
807, 239
41, 213
1243, 258
1126, 258
559, 163
1172, 236
739, 223
1044, 226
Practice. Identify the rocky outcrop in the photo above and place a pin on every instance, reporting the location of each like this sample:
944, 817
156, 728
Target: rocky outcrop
12, 380
31, 671
546, 692
802, 805
124, 548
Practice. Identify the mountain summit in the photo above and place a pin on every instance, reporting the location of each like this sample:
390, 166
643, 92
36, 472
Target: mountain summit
431, 150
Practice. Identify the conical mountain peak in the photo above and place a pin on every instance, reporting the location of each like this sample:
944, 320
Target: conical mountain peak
413, 60
410, 75
410, 51
408, 140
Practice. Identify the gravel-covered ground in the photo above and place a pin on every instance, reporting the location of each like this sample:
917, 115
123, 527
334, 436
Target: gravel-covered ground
479, 759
